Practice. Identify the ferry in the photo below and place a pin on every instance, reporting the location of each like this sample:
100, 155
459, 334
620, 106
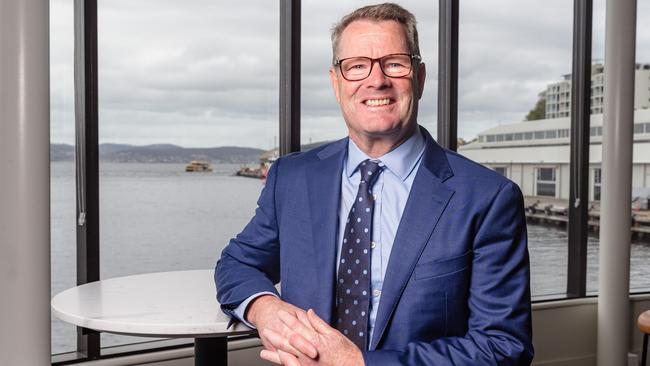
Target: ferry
198, 166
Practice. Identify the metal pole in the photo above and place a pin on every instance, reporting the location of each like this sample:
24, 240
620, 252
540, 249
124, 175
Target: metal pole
618, 119
24, 183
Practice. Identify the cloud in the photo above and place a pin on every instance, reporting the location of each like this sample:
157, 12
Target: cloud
206, 73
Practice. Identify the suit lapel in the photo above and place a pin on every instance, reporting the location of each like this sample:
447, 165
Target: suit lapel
324, 187
427, 201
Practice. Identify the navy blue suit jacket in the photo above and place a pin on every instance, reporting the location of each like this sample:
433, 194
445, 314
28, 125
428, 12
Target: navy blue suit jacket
456, 289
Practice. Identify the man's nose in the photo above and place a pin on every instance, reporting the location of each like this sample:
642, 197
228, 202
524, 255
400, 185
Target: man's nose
377, 78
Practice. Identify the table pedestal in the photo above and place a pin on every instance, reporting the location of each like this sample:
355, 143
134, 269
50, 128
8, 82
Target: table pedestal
212, 351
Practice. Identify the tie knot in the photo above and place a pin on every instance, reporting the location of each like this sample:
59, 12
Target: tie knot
369, 171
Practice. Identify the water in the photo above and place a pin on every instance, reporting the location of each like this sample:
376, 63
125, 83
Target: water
153, 217
156, 217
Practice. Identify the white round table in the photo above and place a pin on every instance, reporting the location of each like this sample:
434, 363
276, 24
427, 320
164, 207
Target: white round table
180, 304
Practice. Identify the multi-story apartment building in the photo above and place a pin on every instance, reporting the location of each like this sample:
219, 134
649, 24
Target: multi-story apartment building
558, 95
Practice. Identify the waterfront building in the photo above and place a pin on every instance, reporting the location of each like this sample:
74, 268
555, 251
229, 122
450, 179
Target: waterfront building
535, 154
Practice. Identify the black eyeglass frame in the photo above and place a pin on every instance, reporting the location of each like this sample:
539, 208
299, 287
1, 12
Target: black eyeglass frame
417, 58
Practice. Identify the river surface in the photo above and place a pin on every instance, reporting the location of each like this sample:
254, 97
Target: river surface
156, 217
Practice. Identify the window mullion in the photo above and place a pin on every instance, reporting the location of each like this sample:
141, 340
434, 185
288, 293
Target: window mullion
289, 76
579, 163
448, 74
87, 158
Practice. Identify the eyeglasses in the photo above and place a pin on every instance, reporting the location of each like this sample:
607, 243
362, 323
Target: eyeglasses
394, 66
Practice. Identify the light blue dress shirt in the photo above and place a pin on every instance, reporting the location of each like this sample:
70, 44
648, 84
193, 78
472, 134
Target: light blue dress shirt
391, 192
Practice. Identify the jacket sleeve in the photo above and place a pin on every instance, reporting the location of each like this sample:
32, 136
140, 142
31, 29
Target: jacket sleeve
250, 263
499, 324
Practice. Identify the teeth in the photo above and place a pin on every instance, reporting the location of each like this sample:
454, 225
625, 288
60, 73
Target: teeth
377, 102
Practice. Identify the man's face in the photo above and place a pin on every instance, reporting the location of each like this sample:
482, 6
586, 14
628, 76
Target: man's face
378, 106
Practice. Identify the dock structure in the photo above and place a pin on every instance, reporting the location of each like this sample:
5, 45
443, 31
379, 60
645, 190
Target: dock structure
554, 211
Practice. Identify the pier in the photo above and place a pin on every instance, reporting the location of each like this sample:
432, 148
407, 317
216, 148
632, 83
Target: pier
554, 211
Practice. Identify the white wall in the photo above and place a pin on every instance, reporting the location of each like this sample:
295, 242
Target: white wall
638, 175
642, 89
564, 332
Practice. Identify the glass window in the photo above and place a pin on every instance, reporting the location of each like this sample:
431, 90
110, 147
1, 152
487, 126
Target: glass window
188, 100
518, 136
500, 137
501, 170
546, 174
490, 138
496, 89
563, 132
551, 134
62, 167
508, 137
640, 250
638, 128
546, 182
597, 181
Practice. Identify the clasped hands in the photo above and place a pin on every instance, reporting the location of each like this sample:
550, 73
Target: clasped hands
294, 337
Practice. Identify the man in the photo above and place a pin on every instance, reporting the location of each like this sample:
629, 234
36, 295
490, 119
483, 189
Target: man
402, 252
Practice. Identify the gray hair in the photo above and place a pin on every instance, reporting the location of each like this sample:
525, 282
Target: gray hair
379, 12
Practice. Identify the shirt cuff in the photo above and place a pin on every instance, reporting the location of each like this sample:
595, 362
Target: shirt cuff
240, 310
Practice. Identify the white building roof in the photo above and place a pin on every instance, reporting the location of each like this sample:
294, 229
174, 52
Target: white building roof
640, 116
548, 150
555, 154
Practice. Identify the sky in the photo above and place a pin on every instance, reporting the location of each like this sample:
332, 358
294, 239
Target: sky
203, 73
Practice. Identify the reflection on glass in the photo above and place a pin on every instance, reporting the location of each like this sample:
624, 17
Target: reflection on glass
514, 105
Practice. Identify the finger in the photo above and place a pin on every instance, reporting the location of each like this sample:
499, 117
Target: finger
304, 346
302, 316
304, 335
281, 343
266, 343
319, 324
288, 359
270, 356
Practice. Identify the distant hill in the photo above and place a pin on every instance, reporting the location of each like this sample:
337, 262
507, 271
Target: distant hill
162, 153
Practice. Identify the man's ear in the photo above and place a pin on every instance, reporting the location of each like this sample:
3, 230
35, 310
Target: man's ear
421, 76
334, 79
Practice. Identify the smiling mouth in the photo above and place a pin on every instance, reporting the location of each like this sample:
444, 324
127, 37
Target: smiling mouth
377, 102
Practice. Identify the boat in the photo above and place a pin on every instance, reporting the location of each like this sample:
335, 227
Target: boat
260, 171
198, 166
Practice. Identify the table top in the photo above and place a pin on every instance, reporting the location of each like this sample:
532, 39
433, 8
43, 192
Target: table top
165, 304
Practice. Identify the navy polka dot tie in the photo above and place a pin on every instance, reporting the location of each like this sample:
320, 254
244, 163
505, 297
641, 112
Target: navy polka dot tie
353, 286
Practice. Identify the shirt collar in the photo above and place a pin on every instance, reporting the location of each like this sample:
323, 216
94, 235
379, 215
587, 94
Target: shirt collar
400, 161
